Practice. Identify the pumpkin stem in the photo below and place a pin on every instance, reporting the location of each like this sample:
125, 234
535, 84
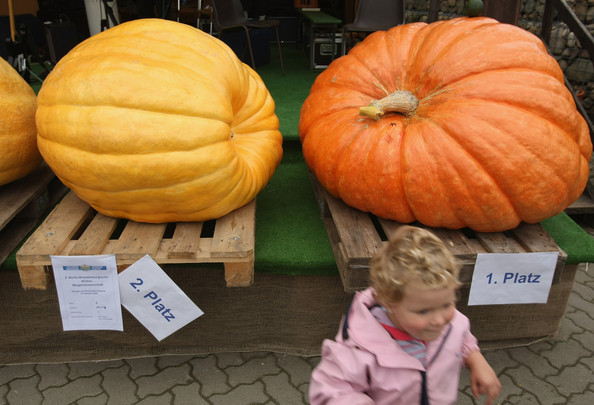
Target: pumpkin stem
401, 101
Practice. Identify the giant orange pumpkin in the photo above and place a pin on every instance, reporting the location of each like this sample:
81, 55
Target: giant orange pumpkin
459, 123
157, 121
18, 136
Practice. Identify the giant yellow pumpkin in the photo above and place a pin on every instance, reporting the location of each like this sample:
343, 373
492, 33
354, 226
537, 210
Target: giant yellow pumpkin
458, 123
18, 136
156, 121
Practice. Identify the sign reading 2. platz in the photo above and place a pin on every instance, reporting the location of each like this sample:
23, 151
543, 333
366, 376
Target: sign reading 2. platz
154, 299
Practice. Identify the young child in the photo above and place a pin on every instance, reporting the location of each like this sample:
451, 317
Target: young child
402, 340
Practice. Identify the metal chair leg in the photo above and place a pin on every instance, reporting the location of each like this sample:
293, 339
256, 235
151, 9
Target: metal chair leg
249, 44
280, 55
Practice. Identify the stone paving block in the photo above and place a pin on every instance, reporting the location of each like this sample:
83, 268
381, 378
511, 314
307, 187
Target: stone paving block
8, 373
252, 370
464, 399
100, 399
525, 379
52, 375
162, 381
586, 398
565, 353
188, 394
584, 291
526, 398
298, 369
211, 378
586, 339
91, 368
499, 360
76, 389
304, 390
280, 389
580, 303
3, 392
164, 399
569, 327
225, 360
172, 360
243, 394
572, 380
581, 319
588, 362
120, 387
508, 388
538, 364
24, 391
142, 366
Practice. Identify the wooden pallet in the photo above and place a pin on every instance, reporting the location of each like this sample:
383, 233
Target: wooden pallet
356, 236
23, 203
74, 228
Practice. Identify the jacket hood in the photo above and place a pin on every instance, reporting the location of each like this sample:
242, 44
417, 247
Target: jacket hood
365, 331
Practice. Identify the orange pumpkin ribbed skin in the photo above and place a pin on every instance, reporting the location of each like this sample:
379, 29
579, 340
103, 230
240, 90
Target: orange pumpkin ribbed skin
18, 135
496, 138
156, 121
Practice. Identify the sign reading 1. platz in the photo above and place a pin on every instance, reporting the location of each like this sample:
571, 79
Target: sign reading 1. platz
154, 299
512, 278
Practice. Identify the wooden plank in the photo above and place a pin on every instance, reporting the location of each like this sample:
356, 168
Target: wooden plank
457, 242
505, 11
15, 196
12, 235
357, 233
235, 233
137, 239
186, 240
534, 238
94, 238
55, 232
240, 274
497, 242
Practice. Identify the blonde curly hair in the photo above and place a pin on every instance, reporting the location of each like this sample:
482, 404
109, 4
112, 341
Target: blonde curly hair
412, 257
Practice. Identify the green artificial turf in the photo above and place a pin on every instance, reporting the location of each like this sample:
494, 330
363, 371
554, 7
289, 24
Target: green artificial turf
572, 238
290, 234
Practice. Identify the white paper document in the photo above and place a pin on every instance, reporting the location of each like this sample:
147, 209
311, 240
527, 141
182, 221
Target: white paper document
88, 292
154, 299
512, 278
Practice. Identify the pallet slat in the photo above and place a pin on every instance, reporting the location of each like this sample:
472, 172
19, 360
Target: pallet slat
186, 240
136, 240
94, 238
23, 203
56, 231
74, 228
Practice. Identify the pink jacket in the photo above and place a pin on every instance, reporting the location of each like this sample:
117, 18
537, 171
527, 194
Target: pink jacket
369, 367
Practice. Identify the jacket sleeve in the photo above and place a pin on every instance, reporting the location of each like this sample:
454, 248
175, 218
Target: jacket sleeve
469, 343
341, 376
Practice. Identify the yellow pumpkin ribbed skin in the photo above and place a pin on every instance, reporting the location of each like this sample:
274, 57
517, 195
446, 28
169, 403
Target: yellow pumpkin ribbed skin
156, 121
18, 135
496, 138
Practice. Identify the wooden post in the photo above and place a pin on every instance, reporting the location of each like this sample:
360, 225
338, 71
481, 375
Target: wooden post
433, 10
505, 11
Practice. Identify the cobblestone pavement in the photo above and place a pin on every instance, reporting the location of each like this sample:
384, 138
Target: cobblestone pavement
558, 371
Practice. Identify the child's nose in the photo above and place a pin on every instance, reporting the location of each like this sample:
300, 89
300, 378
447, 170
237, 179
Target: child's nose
438, 319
